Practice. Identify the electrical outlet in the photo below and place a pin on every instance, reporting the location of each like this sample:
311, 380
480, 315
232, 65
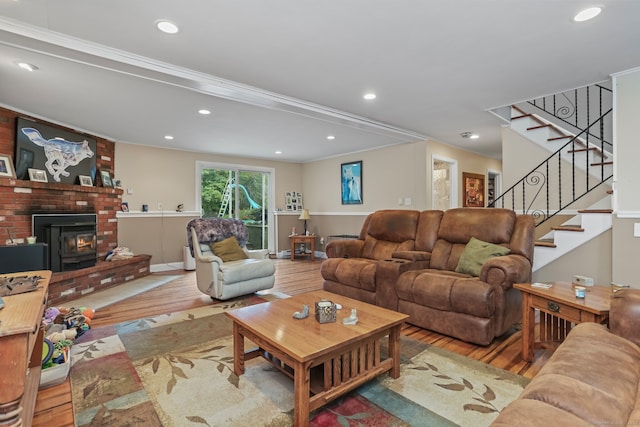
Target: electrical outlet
159, 206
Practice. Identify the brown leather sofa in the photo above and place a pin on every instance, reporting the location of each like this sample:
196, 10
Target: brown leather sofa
406, 261
390, 242
592, 379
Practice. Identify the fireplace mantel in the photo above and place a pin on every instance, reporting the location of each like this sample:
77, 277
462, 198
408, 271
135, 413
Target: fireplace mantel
20, 184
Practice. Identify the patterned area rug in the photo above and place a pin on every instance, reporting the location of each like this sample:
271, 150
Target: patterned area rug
177, 370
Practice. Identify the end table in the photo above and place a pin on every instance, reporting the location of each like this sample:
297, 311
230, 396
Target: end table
307, 240
560, 310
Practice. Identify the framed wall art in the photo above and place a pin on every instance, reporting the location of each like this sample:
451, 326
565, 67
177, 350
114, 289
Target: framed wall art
61, 154
6, 167
85, 180
472, 190
351, 178
38, 175
105, 178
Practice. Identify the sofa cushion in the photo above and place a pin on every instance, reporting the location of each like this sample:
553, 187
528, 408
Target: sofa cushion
476, 253
245, 269
355, 272
228, 250
447, 291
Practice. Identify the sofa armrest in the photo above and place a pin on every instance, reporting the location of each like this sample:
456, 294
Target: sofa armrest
624, 314
258, 253
344, 249
506, 270
412, 255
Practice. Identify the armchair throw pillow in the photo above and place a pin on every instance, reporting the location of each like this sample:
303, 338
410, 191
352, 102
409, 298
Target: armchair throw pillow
228, 250
476, 253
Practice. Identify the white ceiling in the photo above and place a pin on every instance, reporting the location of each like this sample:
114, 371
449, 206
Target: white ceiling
284, 74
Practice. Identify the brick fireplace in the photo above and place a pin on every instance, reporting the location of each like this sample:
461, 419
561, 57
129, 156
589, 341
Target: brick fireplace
20, 199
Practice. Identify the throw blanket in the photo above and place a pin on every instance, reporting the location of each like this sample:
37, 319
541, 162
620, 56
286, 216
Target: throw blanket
211, 230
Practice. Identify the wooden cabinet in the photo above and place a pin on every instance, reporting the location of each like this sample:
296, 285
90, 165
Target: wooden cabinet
21, 341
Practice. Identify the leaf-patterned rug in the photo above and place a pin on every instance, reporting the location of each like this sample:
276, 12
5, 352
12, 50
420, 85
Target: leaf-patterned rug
177, 370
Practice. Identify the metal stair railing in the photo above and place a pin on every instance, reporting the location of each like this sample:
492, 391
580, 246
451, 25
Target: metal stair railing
576, 107
541, 192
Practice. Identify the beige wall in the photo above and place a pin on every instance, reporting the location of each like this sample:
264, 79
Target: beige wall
626, 178
157, 175
388, 174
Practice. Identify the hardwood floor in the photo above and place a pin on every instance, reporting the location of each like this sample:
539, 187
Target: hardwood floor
53, 405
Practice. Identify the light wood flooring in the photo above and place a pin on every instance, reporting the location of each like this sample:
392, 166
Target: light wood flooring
53, 405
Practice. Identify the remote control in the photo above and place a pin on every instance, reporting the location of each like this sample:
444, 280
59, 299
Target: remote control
541, 285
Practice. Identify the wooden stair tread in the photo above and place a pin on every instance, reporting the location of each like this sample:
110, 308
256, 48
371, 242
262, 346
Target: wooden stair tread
545, 125
545, 243
524, 116
555, 138
601, 164
608, 211
568, 228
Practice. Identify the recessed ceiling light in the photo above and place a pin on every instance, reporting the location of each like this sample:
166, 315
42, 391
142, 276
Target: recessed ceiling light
469, 135
204, 112
331, 137
168, 137
27, 66
586, 14
369, 96
278, 152
167, 26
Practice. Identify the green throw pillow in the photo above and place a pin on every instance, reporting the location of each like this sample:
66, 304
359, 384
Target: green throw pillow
477, 253
228, 250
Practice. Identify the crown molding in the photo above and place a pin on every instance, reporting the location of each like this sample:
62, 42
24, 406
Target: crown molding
37, 39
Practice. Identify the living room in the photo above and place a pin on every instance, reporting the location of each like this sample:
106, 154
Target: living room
395, 176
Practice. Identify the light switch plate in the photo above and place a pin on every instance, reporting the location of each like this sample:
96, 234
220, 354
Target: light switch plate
636, 229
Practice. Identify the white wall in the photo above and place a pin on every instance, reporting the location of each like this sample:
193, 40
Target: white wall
626, 246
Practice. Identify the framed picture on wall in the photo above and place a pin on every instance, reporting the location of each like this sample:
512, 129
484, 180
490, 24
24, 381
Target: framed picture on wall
472, 190
351, 179
6, 167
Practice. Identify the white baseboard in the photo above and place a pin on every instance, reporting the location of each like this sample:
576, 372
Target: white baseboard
156, 268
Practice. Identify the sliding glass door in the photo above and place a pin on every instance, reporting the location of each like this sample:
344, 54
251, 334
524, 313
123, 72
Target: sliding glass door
240, 192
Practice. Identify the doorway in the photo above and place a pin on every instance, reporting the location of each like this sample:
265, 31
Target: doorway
444, 183
240, 192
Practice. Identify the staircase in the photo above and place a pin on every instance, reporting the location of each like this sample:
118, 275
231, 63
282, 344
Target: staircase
581, 160
586, 225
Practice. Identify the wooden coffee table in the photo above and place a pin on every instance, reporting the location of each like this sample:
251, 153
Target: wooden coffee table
325, 360
560, 310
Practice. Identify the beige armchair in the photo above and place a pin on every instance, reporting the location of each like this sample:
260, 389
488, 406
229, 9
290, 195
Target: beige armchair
224, 279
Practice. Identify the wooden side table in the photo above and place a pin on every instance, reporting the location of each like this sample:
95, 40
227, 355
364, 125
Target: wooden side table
307, 240
560, 310
21, 339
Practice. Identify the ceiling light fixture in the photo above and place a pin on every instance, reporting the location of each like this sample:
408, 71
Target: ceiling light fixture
27, 66
331, 137
278, 152
586, 14
167, 26
168, 137
469, 135
369, 96
204, 112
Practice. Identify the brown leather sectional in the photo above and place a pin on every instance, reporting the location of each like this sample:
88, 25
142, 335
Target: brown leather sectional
592, 379
405, 260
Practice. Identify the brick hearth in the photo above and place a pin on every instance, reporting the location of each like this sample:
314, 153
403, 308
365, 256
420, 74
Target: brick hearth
68, 285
